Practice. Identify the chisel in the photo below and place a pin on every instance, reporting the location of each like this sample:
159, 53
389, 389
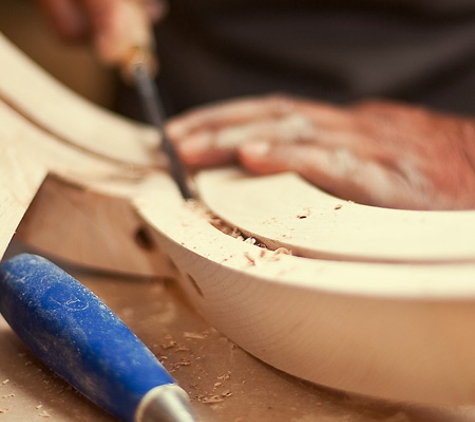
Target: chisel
84, 342
140, 68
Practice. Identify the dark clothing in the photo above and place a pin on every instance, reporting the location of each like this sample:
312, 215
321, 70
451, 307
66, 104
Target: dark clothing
419, 51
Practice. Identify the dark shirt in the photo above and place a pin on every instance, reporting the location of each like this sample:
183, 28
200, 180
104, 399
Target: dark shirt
420, 51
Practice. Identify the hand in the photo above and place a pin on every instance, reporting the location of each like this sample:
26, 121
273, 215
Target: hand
114, 26
377, 153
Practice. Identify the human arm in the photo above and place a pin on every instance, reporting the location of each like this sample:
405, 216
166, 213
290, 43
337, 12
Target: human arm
377, 153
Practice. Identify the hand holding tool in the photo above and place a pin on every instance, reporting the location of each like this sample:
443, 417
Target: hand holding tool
84, 342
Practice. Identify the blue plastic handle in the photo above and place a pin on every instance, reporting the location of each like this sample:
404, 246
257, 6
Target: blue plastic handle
77, 335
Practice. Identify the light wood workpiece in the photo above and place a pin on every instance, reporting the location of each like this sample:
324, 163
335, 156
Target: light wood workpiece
354, 307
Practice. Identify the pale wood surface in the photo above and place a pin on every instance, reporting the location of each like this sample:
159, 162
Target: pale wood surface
55, 108
283, 210
54, 131
376, 322
17, 189
372, 328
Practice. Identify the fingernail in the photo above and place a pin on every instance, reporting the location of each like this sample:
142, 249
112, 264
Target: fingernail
256, 149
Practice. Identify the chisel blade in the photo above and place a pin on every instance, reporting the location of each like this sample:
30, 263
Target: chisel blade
153, 108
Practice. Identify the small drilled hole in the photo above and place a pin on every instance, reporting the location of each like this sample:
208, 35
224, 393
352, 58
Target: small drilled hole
144, 239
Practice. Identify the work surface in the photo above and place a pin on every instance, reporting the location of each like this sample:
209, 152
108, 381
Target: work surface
223, 381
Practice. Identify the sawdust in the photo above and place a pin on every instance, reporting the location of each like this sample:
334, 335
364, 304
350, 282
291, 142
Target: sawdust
225, 376
253, 257
267, 255
219, 390
224, 227
211, 399
168, 343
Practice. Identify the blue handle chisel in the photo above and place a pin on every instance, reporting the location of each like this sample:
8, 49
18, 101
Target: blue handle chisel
84, 342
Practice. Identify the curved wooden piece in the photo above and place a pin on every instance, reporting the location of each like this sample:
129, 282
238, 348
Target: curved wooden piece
46, 129
384, 320
397, 331
28, 89
283, 210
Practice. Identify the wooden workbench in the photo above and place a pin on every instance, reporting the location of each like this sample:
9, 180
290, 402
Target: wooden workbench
223, 381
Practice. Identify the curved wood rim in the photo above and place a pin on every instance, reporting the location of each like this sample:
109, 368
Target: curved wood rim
284, 210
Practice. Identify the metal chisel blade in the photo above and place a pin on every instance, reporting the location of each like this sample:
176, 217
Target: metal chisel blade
153, 108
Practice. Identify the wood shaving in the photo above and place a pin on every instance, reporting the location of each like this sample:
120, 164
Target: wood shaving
44, 414
197, 336
168, 344
182, 362
211, 399
279, 251
4, 382
225, 376
267, 255
233, 231
4, 410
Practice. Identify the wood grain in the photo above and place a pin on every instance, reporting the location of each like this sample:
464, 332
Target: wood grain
396, 331
375, 301
28, 89
49, 130
18, 186
283, 210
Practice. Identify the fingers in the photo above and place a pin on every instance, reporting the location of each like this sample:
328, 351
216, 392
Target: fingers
114, 26
335, 148
119, 26
210, 135
207, 148
341, 172
230, 113
240, 112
